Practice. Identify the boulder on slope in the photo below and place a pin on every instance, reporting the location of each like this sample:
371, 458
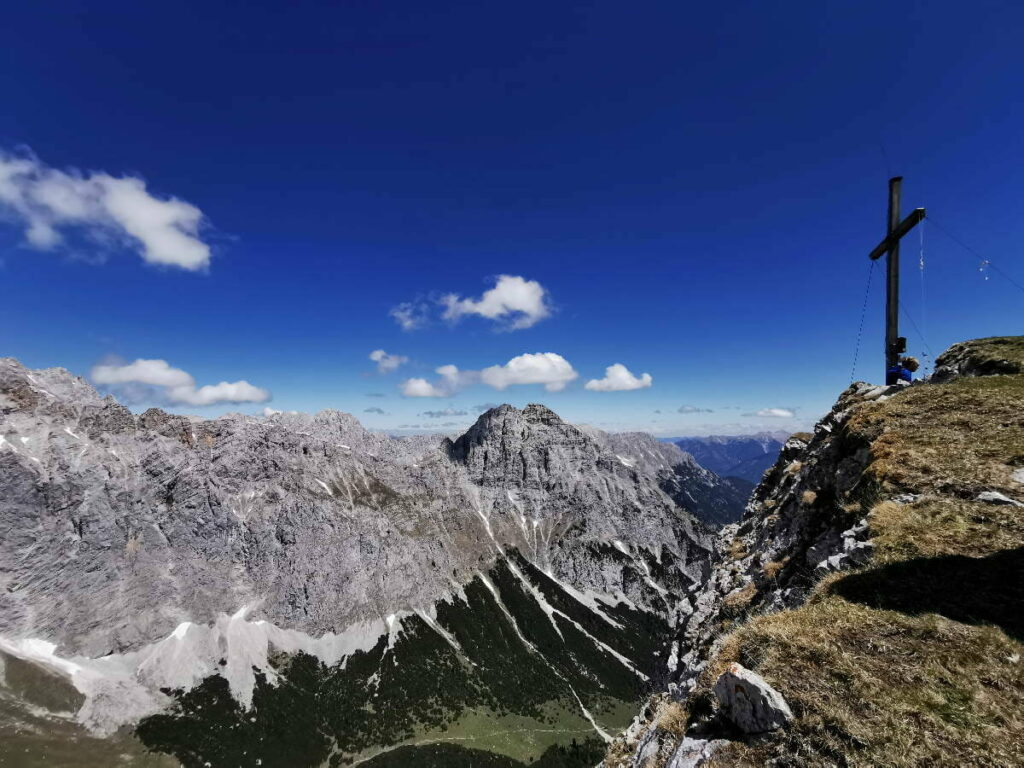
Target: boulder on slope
749, 702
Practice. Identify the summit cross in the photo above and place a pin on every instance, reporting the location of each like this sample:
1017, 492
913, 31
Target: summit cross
890, 246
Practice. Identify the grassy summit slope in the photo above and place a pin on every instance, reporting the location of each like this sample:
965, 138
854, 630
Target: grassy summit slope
916, 658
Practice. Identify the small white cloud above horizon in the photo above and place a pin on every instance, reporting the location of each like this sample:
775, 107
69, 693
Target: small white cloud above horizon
156, 373
451, 381
178, 386
387, 363
48, 202
212, 394
618, 378
693, 409
773, 413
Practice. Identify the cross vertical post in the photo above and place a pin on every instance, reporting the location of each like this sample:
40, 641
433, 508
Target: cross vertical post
890, 246
893, 348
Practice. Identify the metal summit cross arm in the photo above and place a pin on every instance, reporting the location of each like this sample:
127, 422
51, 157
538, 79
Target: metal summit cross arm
894, 343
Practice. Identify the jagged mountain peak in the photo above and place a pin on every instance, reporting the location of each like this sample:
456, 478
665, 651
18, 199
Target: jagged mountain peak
533, 428
501, 419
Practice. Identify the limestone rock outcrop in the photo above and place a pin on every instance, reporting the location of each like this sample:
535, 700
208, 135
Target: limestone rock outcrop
749, 702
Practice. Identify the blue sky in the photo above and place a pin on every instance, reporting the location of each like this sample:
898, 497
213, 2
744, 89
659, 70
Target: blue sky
688, 190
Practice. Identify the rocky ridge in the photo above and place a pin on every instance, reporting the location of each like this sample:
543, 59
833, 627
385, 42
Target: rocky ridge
816, 514
794, 530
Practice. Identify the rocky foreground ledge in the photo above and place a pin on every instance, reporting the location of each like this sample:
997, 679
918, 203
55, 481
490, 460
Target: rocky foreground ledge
869, 608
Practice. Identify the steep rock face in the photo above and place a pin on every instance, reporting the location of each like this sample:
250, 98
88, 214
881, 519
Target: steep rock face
796, 520
714, 500
120, 530
803, 521
147, 558
525, 464
552, 464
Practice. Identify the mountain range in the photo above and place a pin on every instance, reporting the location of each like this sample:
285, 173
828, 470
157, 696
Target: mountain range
298, 590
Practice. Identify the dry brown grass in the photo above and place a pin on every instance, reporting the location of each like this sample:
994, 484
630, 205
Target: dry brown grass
955, 439
932, 527
672, 717
772, 568
879, 688
737, 549
807, 498
918, 658
737, 602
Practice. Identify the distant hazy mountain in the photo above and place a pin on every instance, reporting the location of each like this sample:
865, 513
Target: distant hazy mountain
742, 456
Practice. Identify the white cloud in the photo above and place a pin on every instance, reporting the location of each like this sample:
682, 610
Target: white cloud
225, 392
178, 385
46, 201
421, 388
618, 378
410, 315
547, 368
156, 373
451, 381
773, 413
387, 363
521, 303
